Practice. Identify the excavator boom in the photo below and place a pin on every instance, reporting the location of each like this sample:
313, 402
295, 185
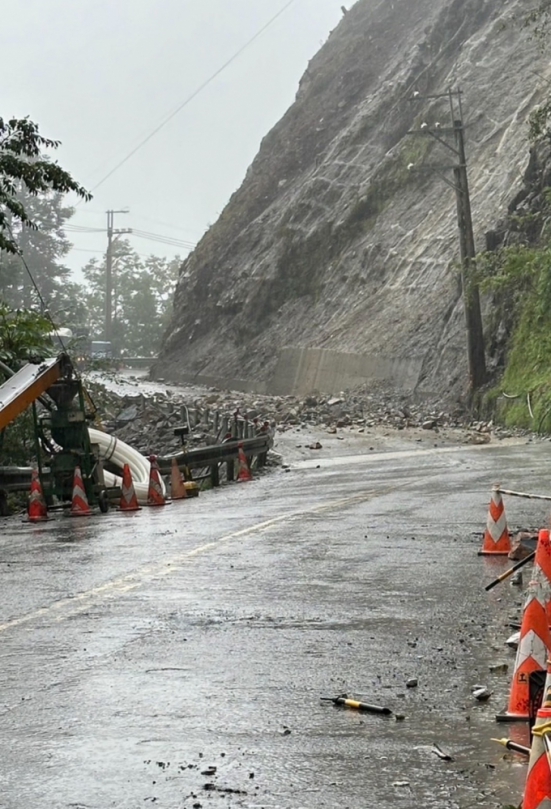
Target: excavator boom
27, 385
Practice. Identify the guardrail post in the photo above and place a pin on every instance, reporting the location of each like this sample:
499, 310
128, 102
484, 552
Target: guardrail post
215, 475
230, 470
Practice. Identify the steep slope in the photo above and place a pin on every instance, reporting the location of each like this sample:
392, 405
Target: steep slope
331, 243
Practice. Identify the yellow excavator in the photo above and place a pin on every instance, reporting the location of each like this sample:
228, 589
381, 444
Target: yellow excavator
60, 426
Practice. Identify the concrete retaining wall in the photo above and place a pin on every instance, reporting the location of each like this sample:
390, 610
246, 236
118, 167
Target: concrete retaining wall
301, 371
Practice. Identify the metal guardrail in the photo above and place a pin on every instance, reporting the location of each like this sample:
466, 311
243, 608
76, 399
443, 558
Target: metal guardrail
18, 478
212, 457
15, 478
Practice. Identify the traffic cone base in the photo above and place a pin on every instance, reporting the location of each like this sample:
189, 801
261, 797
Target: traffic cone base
37, 510
79, 505
155, 496
497, 540
178, 489
129, 500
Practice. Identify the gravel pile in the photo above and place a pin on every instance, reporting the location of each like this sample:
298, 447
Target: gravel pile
147, 420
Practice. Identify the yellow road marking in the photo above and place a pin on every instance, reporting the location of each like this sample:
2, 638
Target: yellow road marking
68, 607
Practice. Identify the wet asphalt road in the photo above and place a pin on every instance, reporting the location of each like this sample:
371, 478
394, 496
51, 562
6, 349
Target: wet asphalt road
138, 651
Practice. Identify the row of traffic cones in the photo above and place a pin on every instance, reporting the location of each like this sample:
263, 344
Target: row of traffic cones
534, 645
533, 653
38, 512
537, 792
80, 507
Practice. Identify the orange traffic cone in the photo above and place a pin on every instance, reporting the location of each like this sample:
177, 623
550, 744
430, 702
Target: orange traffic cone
244, 471
497, 539
155, 496
79, 506
537, 792
129, 501
177, 486
532, 654
542, 569
37, 511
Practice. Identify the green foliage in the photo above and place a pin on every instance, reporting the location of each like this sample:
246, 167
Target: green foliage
23, 334
44, 250
517, 269
142, 295
17, 445
22, 165
525, 275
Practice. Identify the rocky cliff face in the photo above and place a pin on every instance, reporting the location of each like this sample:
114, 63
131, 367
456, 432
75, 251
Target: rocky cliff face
331, 242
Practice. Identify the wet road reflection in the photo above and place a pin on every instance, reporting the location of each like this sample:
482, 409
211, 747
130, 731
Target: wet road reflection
171, 656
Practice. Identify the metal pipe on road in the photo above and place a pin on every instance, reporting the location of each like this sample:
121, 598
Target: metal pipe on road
358, 706
510, 572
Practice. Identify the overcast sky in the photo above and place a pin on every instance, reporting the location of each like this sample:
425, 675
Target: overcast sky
101, 75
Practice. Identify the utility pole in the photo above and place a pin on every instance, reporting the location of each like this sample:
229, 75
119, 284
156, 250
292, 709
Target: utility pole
111, 233
471, 295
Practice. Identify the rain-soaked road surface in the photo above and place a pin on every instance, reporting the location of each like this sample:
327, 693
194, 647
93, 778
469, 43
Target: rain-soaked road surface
138, 651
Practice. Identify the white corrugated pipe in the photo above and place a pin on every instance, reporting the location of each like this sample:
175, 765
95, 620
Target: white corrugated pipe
118, 453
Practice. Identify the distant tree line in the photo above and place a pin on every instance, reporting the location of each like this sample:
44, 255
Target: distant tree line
34, 276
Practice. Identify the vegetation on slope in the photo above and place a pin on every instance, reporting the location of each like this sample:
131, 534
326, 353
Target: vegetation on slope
520, 278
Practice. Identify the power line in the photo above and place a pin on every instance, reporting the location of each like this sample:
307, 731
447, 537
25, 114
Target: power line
193, 95
102, 252
164, 224
170, 225
45, 311
82, 229
154, 237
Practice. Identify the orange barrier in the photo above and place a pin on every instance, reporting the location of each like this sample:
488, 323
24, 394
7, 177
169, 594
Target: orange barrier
177, 486
36, 511
129, 500
542, 568
79, 505
244, 471
497, 540
532, 654
537, 792
155, 496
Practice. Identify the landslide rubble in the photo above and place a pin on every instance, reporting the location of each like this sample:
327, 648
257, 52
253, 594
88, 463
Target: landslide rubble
147, 421
331, 242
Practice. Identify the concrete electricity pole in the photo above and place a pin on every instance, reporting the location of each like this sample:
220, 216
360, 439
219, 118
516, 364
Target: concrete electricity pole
111, 232
471, 294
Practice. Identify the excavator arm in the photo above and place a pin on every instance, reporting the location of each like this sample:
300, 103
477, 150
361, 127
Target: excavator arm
27, 385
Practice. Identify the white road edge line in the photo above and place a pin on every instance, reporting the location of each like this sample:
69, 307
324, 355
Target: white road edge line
69, 607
